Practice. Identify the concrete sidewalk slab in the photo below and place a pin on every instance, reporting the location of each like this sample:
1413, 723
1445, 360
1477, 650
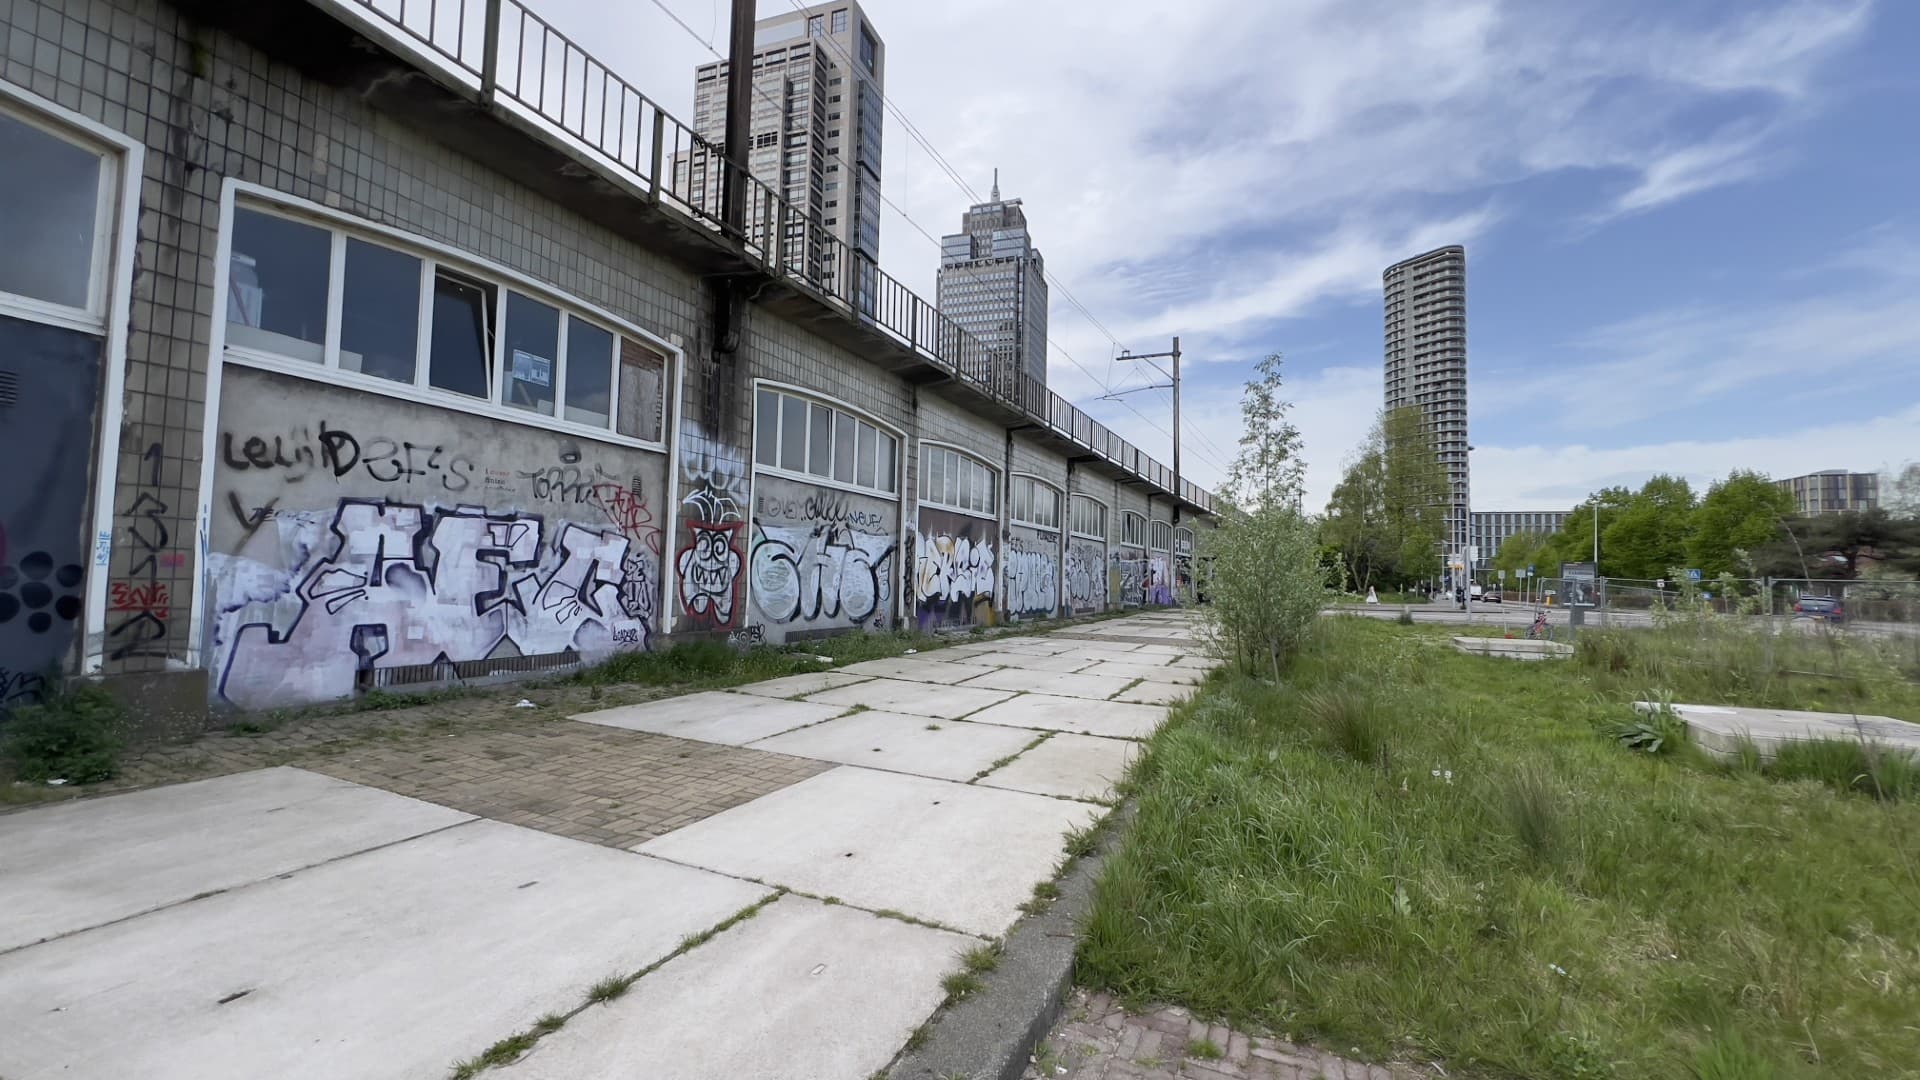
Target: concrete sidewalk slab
914, 669
1032, 661
1112, 719
1155, 693
790, 686
1074, 766
1043, 646
920, 699
1194, 662
1095, 687
390, 964
953, 750
715, 716
66, 868
1130, 672
963, 856
802, 989
1159, 650
1720, 729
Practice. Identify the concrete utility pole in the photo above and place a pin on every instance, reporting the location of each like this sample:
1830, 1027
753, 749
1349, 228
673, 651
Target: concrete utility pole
1174, 385
733, 206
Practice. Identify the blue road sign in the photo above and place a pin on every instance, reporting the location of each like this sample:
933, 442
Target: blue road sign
1693, 575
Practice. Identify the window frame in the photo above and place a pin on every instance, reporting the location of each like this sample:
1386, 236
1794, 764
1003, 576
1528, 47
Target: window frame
1157, 529
1037, 482
996, 488
836, 409
90, 317
1127, 534
1075, 500
434, 256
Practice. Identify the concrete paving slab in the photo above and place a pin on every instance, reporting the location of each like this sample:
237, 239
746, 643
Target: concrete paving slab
716, 716
389, 964
1152, 673
1046, 712
1155, 693
1720, 730
920, 699
802, 989
951, 652
83, 864
1045, 646
915, 669
1513, 648
1099, 651
963, 856
1194, 662
1159, 650
1075, 766
799, 685
1032, 661
952, 750
1095, 687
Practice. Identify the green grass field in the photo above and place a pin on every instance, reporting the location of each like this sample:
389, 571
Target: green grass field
1431, 856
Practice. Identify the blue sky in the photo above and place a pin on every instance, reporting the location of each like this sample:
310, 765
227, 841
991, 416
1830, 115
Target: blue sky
1692, 229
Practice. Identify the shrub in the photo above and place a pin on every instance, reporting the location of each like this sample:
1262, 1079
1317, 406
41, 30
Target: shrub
73, 734
1350, 719
1660, 731
1261, 574
1532, 810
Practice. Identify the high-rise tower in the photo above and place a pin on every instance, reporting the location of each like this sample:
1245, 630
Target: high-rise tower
1426, 365
993, 283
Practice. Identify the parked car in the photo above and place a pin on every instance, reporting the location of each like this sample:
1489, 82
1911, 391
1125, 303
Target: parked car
1826, 608
1490, 595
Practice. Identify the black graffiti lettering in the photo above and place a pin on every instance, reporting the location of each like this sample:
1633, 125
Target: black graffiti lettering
136, 636
250, 520
151, 538
339, 450
153, 456
255, 450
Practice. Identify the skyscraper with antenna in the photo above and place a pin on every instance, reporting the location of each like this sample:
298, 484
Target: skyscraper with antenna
993, 283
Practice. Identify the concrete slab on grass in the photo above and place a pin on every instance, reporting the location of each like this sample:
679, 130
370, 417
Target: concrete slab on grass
716, 716
790, 686
954, 750
963, 856
1155, 693
805, 989
914, 669
1113, 719
920, 699
1513, 648
1130, 672
1720, 730
70, 867
390, 964
1096, 687
1075, 766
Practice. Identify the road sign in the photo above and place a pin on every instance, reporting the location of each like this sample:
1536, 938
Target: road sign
1529, 568
1660, 583
1693, 575
1503, 575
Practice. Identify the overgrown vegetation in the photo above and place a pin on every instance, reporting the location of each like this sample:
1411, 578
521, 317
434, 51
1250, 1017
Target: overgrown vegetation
714, 664
1433, 856
1263, 586
75, 733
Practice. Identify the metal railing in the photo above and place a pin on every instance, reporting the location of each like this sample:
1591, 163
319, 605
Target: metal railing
515, 60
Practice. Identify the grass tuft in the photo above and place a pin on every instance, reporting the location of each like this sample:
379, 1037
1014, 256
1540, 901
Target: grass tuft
961, 985
1204, 1049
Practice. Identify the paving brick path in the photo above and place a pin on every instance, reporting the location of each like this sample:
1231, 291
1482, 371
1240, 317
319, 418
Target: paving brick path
1098, 1040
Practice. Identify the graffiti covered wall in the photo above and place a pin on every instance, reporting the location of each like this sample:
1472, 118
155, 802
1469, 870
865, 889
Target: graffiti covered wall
1033, 573
1159, 579
1127, 575
953, 570
359, 531
710, 567
1086, 575
822, 558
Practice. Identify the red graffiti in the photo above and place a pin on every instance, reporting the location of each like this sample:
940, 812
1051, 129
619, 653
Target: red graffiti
628, 513
710, 568
151, 599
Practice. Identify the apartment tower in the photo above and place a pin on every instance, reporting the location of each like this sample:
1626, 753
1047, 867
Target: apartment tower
1426, 365
993, 284
819, 75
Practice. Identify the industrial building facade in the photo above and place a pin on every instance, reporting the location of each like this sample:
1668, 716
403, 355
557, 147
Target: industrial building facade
334, 369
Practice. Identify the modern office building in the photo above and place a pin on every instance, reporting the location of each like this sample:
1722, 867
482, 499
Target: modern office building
819, 79
1492, 527
1833, 491
1426, 365
993, 283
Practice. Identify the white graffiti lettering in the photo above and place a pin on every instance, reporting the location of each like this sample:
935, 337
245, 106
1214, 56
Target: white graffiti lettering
1033, 581
1086, 576
822, 571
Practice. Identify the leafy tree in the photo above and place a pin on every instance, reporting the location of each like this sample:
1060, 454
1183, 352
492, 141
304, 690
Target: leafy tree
1574, 541
1388, 513
1650, 536
1521, 550
1268, 466
1900, 492
1739, 515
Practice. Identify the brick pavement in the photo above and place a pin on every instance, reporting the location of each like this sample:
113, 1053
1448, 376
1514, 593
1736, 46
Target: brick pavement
1096, 1039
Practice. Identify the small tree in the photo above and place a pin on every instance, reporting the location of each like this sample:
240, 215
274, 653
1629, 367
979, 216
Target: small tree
1268, 467
1262, 576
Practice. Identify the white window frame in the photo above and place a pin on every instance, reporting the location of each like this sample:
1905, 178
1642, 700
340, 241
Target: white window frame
994, 484
1157, 529
433, 256
91, 317
1076, 500
1177, 532
1059, 501
812, 397
1127, 534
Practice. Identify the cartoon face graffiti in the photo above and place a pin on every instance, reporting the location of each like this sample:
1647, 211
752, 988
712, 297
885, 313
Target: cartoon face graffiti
709, 568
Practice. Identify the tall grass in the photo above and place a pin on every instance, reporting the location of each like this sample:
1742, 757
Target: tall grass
1512, 893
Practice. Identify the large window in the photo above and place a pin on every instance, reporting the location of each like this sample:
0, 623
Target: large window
952, 479
1089, 517
1133, 529
1034, 502
55, 216
1162, 536
813, 440
370, 307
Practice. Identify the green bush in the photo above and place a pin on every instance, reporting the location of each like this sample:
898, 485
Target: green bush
1264, 585
73, 734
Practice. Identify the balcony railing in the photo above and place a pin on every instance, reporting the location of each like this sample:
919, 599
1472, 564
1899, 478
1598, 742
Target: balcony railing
512, 59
